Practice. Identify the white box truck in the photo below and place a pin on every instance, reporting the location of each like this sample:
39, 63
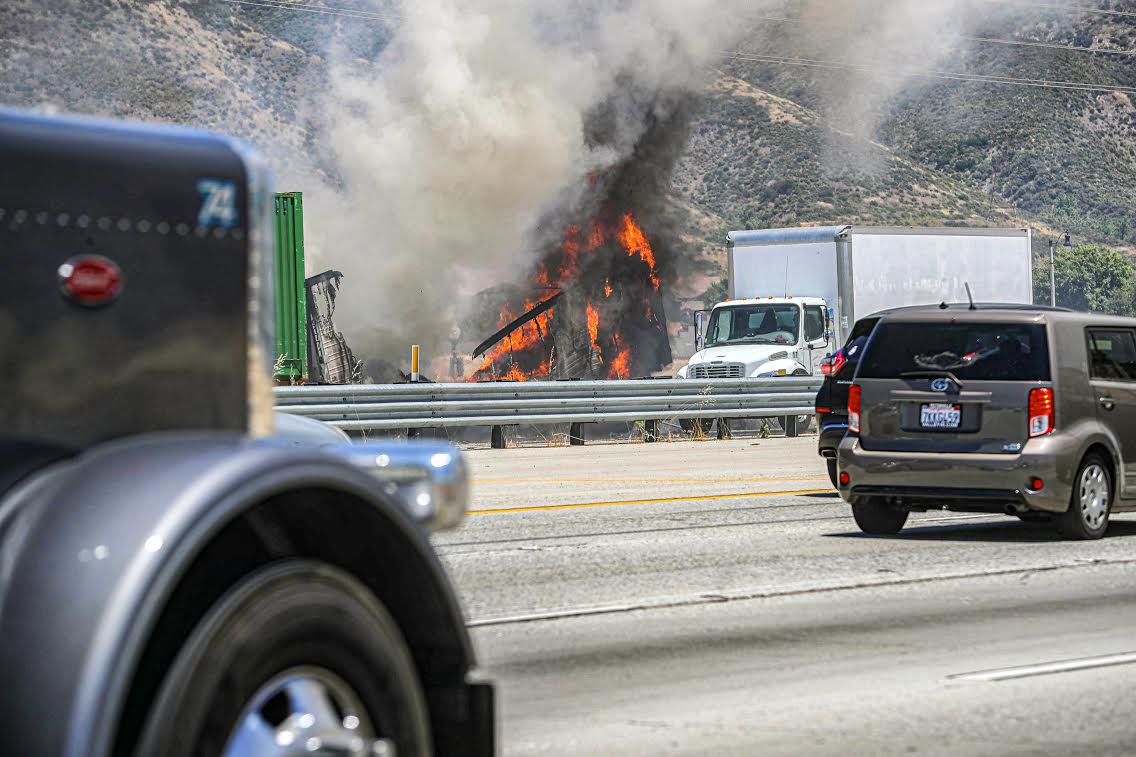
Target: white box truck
795, 293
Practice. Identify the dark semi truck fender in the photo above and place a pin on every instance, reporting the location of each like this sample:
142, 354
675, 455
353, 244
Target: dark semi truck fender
113, 563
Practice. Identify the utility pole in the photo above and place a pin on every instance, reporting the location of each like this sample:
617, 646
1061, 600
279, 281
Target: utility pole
1052, 276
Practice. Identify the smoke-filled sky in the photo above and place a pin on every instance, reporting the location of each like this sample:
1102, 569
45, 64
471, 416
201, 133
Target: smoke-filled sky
471, 128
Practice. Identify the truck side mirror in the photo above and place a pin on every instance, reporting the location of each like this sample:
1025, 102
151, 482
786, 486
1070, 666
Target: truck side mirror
699, 341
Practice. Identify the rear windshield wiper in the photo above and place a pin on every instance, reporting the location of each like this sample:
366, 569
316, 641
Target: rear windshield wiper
932, 374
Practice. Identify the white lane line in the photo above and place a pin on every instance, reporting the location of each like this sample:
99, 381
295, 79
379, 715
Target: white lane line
1047, 668
741, 595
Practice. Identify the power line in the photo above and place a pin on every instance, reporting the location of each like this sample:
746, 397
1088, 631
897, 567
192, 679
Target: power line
1073, 8
992, 40
932, 74
1050, 45
323, 10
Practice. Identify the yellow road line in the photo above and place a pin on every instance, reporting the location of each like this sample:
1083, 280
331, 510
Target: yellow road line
662, 501
703, 480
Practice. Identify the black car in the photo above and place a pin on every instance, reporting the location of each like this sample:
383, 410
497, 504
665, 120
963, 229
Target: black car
832, 399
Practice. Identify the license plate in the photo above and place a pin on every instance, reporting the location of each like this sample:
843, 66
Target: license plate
940, 416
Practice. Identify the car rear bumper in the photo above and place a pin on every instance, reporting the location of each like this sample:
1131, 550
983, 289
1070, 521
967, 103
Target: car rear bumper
963, 482
830, 430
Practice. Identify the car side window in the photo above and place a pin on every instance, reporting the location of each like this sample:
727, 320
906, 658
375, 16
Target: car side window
1112, 354
814, 323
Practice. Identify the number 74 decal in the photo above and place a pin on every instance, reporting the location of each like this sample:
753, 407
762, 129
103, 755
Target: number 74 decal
218, 204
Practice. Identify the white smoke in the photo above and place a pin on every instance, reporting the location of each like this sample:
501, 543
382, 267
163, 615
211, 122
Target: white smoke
470, 127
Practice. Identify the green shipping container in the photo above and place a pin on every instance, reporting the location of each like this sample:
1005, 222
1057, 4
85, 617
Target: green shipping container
291, 294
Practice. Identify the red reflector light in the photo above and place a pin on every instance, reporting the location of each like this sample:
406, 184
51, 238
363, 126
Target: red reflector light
823, 410
1042, 414
845, 479
826, 367
1036, 484
854, 409
90, 280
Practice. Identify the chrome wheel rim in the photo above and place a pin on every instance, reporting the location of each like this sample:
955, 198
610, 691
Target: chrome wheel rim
304, 711
1094, 495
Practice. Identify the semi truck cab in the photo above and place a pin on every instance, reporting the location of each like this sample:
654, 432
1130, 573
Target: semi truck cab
762, 337
179, 573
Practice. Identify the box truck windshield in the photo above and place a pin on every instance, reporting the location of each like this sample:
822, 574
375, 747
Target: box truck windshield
754, 324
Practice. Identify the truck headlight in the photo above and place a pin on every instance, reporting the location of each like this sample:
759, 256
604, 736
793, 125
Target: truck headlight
428, 479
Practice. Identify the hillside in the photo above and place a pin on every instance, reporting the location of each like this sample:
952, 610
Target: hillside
767, 148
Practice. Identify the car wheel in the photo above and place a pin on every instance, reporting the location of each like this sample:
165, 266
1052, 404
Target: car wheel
697, 426
298, 656
1090, 503
832, 472
879, 519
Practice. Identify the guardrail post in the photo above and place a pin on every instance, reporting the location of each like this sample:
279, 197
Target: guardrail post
576, 434
790, 424
650, 431
724, 428
412, 433
497, 437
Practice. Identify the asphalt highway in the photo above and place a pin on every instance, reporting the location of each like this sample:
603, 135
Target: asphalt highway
716, 598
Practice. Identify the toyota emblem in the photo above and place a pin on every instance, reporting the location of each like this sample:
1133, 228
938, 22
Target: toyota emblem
90, 280
940, 385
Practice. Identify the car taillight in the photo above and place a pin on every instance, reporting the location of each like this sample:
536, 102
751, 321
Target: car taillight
832, 364
1042, 418
838, 361
854, 409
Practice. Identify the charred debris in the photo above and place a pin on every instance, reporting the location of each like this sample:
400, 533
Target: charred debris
593, 305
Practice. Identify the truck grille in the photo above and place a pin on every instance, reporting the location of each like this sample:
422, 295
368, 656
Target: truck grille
717, 370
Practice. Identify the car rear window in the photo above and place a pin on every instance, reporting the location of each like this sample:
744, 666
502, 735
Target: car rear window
974, 351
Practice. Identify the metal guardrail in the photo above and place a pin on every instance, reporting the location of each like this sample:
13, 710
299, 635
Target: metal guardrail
415, 406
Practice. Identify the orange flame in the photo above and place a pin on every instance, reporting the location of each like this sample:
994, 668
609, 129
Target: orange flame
596, 236
621, 365
524, 339
594, 326
635, 242
607, 287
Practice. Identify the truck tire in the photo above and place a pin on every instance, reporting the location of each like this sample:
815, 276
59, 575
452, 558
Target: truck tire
879, 519
697, 426
795, 425
832, 472
298, 653
1090, 503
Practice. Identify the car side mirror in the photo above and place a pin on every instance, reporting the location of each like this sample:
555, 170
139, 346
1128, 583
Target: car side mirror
699, 340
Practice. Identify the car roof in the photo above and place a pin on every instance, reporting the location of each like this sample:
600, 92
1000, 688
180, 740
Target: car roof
955, 307
1003, 312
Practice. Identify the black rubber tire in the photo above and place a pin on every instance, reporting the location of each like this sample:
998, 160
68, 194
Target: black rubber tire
803, 424
289, 614
692, 425
1071, 524
832, 472
1035, 517
879, 519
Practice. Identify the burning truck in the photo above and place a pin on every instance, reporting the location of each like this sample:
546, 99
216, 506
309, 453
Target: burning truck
595, 311
593, 304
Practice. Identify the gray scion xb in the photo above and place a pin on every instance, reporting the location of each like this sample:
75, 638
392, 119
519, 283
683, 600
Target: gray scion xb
1028, 411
